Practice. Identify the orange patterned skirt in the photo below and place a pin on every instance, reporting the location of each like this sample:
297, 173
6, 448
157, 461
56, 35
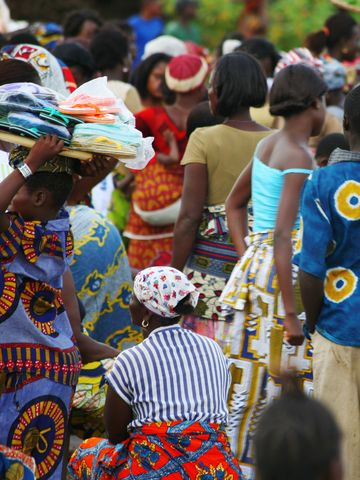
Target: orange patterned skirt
171, 450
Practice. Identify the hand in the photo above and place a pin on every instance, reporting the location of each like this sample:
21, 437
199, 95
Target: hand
293, 330
44, 150
169, 136
94, 166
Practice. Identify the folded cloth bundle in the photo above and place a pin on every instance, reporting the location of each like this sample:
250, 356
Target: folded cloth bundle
91, 108
23, 122
115, 140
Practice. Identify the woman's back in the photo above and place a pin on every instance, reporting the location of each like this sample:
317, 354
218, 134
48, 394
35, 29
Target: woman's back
173, 375
226, 151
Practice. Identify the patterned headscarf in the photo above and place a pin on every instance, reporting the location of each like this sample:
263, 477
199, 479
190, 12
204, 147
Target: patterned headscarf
160, 289
43, 61
58, 164
300, 55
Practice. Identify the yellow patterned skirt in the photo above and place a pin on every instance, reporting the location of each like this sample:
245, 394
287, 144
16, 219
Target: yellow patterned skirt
257, 351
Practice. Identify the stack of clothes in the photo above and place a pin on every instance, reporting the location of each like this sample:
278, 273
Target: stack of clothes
105, 130
97, 123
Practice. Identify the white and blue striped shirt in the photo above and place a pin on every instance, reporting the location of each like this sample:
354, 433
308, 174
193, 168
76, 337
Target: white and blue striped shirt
173, 375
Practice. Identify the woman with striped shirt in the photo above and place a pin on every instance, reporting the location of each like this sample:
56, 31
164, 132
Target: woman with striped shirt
166, 407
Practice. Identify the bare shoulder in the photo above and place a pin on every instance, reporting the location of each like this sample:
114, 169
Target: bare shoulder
281, 153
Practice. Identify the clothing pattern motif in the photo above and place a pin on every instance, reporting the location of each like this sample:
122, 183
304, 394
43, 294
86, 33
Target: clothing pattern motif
171, 450
257, 351
211, 261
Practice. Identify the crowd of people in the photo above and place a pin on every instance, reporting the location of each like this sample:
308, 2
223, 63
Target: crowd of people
180, 319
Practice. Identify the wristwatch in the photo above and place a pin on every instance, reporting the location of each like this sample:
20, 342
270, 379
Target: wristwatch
24, 169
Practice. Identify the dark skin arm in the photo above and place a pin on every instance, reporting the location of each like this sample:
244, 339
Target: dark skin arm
286, 216
192, 204
90, 349
117, 416
173, 156
236, 210
85, 185
312, 294
44, 149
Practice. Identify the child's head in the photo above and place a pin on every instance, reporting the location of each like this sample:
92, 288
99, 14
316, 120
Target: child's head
351, 122
201, 116
327, 145
43, 195
296, 89
44, 192
297, 438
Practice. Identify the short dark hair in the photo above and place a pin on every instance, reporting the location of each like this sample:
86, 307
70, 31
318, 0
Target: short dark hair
121, 25
73, 54
75, 20
339, 26
296, 438
109, 48
295, 89
23, 38
260, 48
59, 185
141, 73
201, 116
13, 71
238, 82
352, 107
184, 307
181, 5
329, 143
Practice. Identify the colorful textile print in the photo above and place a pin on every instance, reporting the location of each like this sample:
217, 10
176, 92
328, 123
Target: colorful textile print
172, 450
87, 416
59, 164
33, 420
257, 350
157, 186
160, 289
218, 331
148, 253
15, 465
328, 244
211, 261
103, 281
62, 366
35, 333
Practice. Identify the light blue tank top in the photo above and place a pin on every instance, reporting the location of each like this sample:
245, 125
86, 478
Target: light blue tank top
266, 187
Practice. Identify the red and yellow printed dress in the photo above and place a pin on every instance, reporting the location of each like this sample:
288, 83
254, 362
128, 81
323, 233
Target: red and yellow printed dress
39, 361
157, 186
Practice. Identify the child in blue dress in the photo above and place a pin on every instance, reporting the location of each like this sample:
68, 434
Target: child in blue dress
39, 360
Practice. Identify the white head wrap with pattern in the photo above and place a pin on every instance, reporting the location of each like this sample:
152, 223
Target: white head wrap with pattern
160, 289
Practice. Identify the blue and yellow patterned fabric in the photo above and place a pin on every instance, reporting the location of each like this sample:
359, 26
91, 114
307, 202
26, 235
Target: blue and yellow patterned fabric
39, 361
328, 246
102, 278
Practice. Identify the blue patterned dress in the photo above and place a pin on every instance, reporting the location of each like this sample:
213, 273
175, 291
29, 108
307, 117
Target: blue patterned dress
39, 362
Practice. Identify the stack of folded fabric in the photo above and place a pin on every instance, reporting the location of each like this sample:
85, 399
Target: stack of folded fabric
92, 119
29, 110
117, 140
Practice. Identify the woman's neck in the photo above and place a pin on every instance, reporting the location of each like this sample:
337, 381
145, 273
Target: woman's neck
242, 120
299, 127
114, 73
151, 102
336, 53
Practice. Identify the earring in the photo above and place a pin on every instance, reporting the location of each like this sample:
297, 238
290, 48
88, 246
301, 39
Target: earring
345, 50
145, 323
125, 70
